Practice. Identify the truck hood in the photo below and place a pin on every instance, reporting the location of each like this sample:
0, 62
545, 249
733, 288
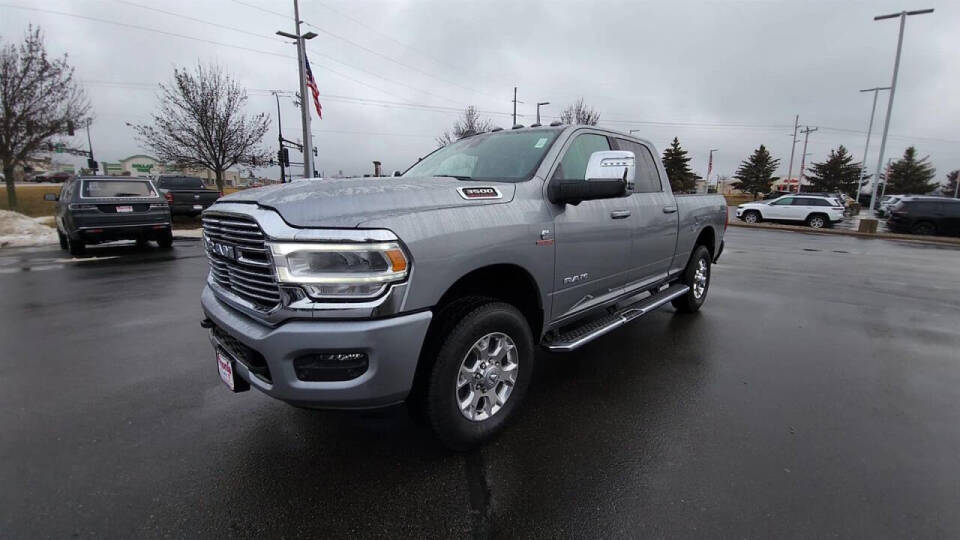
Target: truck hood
348, 202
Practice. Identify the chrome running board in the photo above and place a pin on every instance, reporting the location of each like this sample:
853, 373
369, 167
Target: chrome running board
591, 330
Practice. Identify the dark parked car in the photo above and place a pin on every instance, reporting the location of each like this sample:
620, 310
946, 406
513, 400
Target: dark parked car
96, 209
54, 177
186, 194
926, 215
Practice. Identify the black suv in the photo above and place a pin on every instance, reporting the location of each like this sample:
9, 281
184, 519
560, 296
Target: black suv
926, 215
186, 194
96, 209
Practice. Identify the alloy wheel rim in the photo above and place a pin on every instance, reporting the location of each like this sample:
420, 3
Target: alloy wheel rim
487, 376
751, 218
700, 279
816, 222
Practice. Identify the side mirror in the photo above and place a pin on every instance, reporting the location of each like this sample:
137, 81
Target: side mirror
610, 174
396, 173
51, 197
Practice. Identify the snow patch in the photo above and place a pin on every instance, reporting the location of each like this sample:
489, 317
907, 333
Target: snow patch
18, 230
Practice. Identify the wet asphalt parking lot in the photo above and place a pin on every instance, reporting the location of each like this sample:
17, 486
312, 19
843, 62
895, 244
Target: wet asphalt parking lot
816, 394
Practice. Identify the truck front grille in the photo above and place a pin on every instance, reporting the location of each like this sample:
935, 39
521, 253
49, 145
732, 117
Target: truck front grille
239, 260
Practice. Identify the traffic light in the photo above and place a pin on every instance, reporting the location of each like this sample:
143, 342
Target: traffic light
92, 165
284, 156
70, 128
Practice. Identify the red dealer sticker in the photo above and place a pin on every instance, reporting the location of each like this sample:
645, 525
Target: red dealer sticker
479, 193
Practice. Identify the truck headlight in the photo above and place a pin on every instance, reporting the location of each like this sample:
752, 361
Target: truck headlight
344, 271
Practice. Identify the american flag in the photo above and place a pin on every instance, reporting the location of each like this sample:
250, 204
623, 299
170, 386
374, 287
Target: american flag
312, 83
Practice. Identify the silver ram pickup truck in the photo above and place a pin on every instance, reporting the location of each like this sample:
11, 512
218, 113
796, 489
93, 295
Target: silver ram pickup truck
436, 287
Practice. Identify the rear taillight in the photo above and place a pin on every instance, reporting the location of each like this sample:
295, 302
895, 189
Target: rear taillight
169, 197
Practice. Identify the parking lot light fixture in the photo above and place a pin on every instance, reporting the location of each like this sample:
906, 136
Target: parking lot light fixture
893, 87
873, 111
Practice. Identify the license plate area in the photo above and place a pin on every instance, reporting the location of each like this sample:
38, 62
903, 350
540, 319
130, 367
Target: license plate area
124, 209
198, 207
227, 367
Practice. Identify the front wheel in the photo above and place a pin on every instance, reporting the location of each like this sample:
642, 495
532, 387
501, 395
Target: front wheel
697, 277
165, 240
752, 216
924, 228
480, 375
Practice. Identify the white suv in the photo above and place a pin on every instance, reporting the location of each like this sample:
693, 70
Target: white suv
816, 211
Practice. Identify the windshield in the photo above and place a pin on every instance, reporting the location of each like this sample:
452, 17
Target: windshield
509, 156
185, 182
117, 188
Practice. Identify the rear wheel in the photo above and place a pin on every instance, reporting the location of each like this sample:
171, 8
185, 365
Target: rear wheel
752, 216
697, 277
76, 246
925, 228
480, 375
817, 221
165, 240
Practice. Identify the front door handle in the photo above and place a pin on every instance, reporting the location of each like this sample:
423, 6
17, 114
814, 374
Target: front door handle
669, 209
620, 214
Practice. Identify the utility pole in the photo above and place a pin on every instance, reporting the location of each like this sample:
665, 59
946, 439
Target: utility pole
706, 181
886, 175
793, 147
283, 177
301, 40
875, 90
539, 103
515, 105
807, 130
91, 163
893, 87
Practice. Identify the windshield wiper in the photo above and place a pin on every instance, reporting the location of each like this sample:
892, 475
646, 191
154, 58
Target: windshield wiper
454, 176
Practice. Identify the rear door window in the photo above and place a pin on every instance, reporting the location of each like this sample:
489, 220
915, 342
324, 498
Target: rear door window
647, 177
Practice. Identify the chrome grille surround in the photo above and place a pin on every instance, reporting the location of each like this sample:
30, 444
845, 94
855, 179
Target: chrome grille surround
247, 271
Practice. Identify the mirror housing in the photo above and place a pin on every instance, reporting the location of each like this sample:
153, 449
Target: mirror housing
397, 173
53, 197
610, 174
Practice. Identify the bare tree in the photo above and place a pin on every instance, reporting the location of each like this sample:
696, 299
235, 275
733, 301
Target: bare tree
39, 99
579, 113
470, 124
201, 123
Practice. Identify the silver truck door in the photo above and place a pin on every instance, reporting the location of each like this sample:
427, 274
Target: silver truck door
655, 236
592, 239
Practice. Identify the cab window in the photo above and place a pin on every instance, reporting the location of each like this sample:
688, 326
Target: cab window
647, 178
573, 166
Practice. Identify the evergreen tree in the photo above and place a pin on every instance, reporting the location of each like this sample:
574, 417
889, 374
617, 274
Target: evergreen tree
909, 175
837, 173
950, 189
677, 163
755, 174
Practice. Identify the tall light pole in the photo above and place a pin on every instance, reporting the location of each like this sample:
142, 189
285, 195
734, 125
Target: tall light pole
706, 181
539, 103
793, 147
893, 87
283, 177
803, 157
515, 105
302, 71
863, 169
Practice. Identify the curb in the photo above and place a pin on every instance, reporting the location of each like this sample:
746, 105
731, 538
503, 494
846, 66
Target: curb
943, 240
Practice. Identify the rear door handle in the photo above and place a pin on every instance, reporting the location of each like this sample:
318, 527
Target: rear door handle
669, 209
620, 214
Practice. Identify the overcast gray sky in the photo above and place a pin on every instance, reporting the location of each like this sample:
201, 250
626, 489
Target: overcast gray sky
728, 75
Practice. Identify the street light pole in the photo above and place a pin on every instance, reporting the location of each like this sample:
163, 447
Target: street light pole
301, 40
893, 87
793, 147
876, 91
539, 103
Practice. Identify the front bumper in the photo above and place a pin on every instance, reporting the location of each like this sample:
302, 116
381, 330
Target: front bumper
392, 345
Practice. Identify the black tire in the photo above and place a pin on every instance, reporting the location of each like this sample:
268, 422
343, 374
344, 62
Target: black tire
752, 216
142, 242
76, 246
63, 239
449, 424
818, 221
165, 240
924, 228
692, 301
